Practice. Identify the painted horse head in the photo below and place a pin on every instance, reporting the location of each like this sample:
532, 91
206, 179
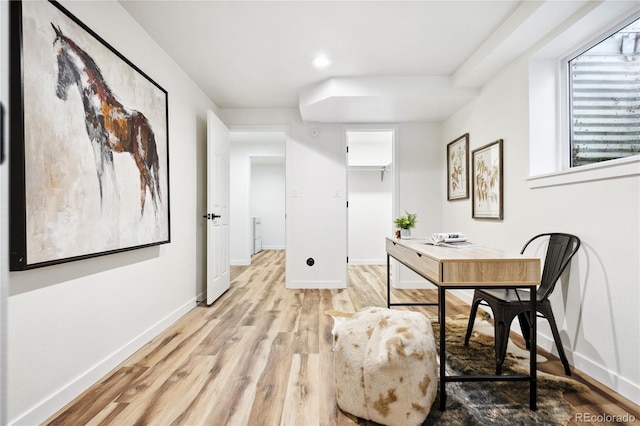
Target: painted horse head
68, 71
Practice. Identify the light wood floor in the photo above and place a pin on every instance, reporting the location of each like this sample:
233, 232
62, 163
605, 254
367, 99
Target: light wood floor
261, 355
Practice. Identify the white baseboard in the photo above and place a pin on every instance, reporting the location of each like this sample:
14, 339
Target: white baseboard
272, 247
50, 405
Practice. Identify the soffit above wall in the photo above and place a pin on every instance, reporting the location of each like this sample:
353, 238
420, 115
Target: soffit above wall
382, 99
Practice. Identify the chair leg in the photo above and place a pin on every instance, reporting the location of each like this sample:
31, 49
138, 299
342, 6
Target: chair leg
548, 314
523, 319
501, 330
472, 319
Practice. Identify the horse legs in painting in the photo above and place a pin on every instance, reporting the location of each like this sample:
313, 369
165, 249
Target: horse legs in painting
103, 156
104, 160
145, 155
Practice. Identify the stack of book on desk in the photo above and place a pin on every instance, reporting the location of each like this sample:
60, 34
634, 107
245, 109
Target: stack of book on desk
450, 239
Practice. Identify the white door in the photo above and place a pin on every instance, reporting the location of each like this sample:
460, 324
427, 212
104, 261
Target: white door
217, 208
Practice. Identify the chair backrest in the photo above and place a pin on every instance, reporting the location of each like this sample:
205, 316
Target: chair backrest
560, 250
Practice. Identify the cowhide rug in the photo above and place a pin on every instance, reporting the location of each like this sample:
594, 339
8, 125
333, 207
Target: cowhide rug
496, 403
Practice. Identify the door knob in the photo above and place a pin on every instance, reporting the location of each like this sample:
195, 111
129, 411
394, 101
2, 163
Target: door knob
211, 216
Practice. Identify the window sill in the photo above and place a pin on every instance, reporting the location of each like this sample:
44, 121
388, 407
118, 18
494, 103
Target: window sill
612, 169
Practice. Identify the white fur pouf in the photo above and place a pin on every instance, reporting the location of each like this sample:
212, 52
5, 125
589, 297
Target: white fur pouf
386, 367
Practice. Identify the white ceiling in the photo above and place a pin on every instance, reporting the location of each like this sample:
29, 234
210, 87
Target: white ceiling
393, 61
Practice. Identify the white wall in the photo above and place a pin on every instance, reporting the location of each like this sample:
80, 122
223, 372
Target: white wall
596, 304
241, 152
268, 200
421, 187
316, 207
70, 324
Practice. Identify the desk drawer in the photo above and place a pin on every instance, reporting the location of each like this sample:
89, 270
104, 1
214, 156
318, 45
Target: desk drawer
422, 264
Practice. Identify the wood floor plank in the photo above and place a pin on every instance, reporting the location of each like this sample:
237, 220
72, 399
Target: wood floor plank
262, 355
164, 359
227, 409
272, 385
217, 401
176, 393
328, 412
107, 414
362, 299
217, 338
99, 397
252, 361
341, 301
300, 405
306, 335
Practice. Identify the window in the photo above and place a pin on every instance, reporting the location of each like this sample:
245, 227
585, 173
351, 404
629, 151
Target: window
604, 99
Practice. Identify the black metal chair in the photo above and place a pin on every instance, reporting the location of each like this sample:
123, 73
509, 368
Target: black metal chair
506, 304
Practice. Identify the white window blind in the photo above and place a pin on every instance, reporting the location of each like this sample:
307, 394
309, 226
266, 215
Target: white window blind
605, 99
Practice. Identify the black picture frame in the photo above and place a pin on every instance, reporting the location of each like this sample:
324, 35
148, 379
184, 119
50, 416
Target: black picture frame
2, 152
89, 139
458, 168
488, 186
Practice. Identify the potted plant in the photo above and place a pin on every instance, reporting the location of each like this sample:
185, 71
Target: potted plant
405, 223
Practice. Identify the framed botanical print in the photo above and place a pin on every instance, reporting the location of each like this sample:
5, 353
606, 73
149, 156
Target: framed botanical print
458, 168
487, 181
89, 143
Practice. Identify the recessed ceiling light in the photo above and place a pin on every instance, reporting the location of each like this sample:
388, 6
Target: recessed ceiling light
321, 61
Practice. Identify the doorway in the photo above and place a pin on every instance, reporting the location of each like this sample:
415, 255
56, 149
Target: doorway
370, 194
267, 202
257, 188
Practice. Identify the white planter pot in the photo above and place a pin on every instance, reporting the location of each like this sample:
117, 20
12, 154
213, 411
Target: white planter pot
405, 234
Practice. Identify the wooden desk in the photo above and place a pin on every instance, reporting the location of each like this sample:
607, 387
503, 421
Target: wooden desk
468, 268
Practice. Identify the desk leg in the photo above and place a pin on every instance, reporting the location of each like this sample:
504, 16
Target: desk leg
441, 316
388, 283
533, 349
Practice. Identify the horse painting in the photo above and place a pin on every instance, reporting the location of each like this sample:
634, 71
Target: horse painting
111, 126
